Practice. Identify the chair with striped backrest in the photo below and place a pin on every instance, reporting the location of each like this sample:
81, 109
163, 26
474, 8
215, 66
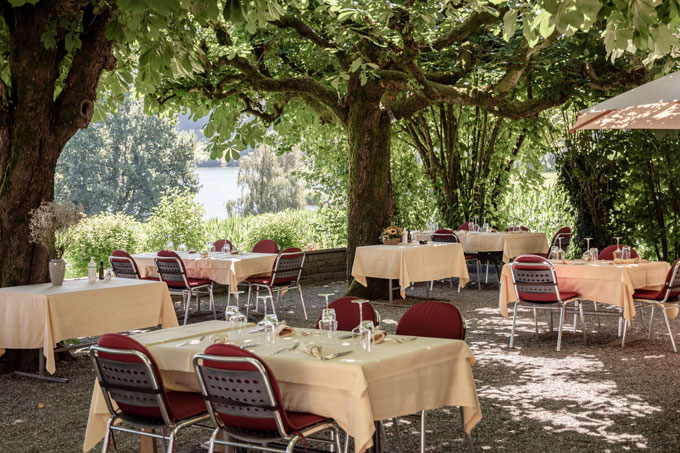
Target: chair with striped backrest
124, 266
434, 320
266, 246
286, 273
129, 377
536, 287
172, 271
665, 298
244, 401
446, 235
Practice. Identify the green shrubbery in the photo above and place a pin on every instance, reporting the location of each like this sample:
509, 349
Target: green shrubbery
100, 234
179, 218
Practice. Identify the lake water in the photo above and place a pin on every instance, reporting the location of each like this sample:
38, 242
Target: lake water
218, 185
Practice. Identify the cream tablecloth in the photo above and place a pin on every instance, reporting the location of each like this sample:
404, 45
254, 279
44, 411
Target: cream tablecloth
39, 316
511, 244
218, 267
395, 379
410, 263
604, 282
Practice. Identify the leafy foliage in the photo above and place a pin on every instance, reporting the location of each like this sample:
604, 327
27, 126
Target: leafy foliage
98, 236
269, 182
177, 218
124, 163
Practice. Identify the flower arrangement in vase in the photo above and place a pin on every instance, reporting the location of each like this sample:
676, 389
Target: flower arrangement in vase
50, 226
391, 235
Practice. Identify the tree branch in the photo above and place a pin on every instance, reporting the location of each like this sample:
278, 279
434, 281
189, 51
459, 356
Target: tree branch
259, 110
464, 30
303, 31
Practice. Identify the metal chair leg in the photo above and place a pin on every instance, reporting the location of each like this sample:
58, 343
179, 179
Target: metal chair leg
422, 432
212, 301
583, 320
479, 277
486, 279
536, 324
512, 331
597, 315
187, 298
107, 436
271, 299
302, 301
651, 317
346, 449
670, 332
625, 329
559, 331
397, 435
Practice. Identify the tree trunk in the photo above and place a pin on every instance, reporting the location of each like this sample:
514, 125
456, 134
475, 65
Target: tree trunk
34, 126
369, 201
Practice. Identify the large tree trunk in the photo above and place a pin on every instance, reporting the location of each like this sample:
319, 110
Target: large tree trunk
369, 203
34, 126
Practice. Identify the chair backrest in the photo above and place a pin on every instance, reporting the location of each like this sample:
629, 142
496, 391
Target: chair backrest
534, 279
219, 244
171, 269
288, 266
240, 390
347, 313
673, 281
433, 319
266, 246
464, 227
128, 375
564, 234
444, 235
123, 265
521, 227
607, 253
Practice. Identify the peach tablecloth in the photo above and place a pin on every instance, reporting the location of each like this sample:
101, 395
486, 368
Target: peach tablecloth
604, 282
410, 263
511, 244
39, 316
395, 379
218, 267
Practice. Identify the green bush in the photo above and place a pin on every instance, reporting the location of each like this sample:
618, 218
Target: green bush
177, 218
97, 236
329, 225
288, 228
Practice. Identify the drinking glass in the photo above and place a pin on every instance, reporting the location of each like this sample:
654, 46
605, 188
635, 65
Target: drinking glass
210, 247
108, 275
328, 322
226, 248
554, 253
169, 246
361, 327
366, 340
587, 243
587, 257
626, 253
271, 326
182, 247
595, 254
485, 228
327, 295
230, 313
561, 253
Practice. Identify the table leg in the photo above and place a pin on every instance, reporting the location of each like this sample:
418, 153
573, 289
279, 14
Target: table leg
41, 371
389, 296
377, 440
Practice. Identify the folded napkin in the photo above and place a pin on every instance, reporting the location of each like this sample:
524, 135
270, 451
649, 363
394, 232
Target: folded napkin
628, 261
284, 330
312, 349
218, 338
379, 336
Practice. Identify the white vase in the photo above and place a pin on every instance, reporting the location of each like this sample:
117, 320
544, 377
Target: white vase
57, 271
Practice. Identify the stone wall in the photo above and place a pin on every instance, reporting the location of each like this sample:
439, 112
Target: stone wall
325, 265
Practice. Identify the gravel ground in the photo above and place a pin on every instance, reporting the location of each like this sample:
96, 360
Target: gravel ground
588, 397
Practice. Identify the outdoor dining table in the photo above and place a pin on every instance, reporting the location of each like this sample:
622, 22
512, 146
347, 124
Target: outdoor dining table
410, 263
395, 379
512, 243
39, 316
222, 268
603, 282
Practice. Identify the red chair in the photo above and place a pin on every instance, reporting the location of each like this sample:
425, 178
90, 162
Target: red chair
434, 320
445, 235
464, 227
128, 375
172, 271
244, 401
347, 313
220, 243
607, 253
266, 246
285, 276
536, 287
666, 298
124, 266
565, 235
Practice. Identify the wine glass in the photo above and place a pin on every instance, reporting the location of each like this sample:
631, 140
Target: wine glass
362, 324
169, 246
561, 252
230, 313
554, 253
626, 252
618, 253
595, 254
210, 246
328, 322
182, 247
587, 243
271, 327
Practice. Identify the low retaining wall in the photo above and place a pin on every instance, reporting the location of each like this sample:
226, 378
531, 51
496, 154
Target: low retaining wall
325, 265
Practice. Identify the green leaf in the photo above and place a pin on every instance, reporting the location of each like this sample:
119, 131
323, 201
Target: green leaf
355, 64
18, 3
509, 24
72, 42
